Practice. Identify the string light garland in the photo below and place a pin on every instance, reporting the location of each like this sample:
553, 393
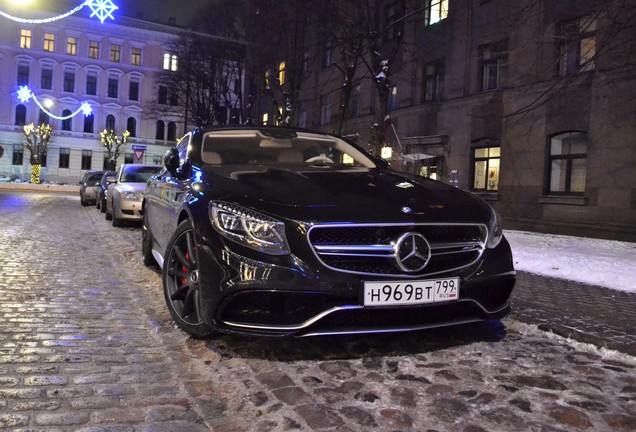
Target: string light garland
101, 9
25, 94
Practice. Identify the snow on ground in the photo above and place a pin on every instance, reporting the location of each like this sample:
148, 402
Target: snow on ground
607, 263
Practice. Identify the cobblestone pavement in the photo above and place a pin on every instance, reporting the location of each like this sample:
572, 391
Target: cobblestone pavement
86, 344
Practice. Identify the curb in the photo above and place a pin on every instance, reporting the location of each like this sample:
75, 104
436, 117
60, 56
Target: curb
33, 187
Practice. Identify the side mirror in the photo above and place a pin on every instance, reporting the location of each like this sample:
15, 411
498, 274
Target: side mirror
171, 160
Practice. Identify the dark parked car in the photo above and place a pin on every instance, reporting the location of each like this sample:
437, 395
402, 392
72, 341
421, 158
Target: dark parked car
276, 231
89, 187
103, 187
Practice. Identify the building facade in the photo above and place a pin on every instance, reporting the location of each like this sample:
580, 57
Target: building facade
529, 104
76, 60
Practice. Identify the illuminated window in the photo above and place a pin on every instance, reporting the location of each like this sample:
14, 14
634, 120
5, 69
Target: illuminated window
568, 164
71, 46
281, 73
170, 62
115, 53
25, 38
486, 168
93, 49
435, 11
49, 42
265, 118
136, 57
577, 46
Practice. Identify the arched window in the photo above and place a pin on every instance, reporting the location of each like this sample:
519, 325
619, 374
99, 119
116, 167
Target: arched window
131, 126
160, 134
89, 123
110, 122
43, 118
172, 131
66, 123
20, 115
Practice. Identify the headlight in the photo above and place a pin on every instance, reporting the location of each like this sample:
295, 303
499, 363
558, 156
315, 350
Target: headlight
495, 230
130, 196
249, 228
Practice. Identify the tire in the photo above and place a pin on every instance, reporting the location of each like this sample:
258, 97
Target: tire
146, 244
181, 283
102, 206
116, 220
83, 202
98, 203
108, 215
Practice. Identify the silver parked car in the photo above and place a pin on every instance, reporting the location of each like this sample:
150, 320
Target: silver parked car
89, 187
125, 193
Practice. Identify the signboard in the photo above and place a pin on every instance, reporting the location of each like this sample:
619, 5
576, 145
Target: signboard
138, 151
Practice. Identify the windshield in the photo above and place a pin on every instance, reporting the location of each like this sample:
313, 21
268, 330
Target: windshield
138, 173
93, 179
251, 147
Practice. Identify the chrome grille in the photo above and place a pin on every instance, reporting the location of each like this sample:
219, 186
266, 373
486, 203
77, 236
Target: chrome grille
370, 249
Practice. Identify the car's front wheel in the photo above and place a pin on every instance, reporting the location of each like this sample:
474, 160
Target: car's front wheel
116, 220
181, 284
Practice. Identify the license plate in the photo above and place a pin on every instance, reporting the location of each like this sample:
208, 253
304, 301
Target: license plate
410, 292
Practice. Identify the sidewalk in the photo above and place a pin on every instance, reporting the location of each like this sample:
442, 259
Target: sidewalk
585, 313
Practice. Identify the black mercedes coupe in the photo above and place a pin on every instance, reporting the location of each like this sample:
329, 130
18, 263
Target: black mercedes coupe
289, 232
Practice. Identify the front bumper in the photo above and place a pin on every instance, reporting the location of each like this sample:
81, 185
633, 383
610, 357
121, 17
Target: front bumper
129, 210
295, 297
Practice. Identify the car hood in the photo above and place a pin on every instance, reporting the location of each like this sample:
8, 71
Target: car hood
131, 187
344, 194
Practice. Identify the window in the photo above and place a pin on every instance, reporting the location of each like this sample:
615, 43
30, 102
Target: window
395, 20
157, 160
23, 75
392, 102
131, 126
355, 101
163, 95
170, 62
46, 79
129, 158
91, 85
486, 168
66, 123
65, 157
306, 68
115, 53
71, 46
49, 42
43, 118
172, 131
93, 49
265, 119
494, 65
133, 91
174, 97
302, 115
87, 157
69, 81
435, 11
110, 122
433, 82
18, 154
568, 163
281, 73
160, 130
327, 58
135, 57
325, 110
20, 115
25, 38
577, 46
89, 124
113, 87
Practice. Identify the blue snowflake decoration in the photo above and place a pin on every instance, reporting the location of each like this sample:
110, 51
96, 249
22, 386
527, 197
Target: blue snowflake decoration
86, 109
24, 94
102, 9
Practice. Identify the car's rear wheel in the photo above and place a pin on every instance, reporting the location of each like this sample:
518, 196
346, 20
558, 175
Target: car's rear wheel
98, 203
181, 285
146, 244
102, 207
